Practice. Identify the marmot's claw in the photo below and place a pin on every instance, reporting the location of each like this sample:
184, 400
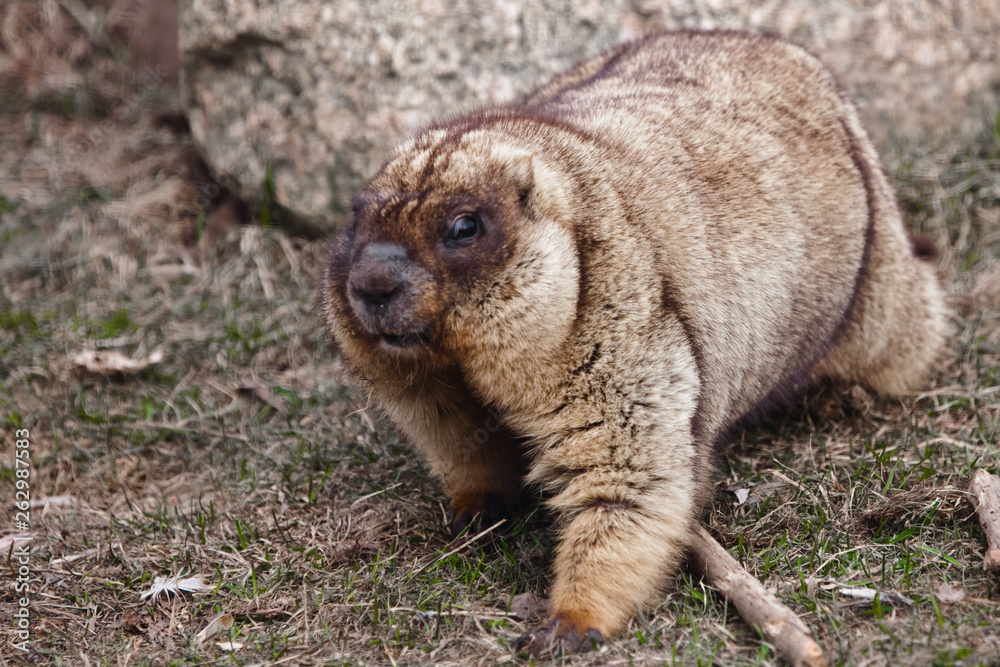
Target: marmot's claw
557, 636
488, 511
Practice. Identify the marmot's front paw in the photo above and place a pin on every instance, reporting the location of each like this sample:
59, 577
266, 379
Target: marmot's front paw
483, 510
559, 635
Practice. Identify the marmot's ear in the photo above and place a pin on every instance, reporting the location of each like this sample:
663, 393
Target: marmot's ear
537, 188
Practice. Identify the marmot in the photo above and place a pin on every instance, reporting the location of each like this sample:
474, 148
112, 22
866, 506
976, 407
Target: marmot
589, 288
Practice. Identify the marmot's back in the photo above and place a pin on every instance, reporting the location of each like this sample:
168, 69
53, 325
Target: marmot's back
754, 165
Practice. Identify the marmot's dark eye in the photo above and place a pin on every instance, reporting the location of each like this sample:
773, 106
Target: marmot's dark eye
465, 228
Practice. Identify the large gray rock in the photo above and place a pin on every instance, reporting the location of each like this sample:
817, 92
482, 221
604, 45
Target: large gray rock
317, 91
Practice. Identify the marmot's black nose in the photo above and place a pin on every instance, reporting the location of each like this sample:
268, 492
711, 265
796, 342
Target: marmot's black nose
378, 275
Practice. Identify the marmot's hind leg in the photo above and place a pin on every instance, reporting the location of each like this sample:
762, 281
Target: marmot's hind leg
899, 324
898, 327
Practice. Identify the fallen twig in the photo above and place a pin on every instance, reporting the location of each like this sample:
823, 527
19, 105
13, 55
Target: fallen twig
779, 625
373, 494
985, 490
111, 362
895, 599
458, 548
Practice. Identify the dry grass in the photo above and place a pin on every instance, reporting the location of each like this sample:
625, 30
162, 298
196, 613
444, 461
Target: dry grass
241, 457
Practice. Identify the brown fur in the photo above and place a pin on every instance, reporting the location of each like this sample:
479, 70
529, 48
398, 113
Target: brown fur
673, 235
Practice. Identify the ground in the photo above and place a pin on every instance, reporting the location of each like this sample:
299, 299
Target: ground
242, 458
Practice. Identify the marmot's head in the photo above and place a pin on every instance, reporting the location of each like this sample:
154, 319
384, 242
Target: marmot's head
460, 244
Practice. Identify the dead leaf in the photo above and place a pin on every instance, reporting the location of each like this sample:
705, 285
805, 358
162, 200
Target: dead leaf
254, 389
219, 623
948, 594
89, 553
135, 624
346, 553
528, 606
283, 606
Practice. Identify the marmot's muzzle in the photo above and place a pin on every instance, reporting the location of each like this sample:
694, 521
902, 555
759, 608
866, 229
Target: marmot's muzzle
382, 288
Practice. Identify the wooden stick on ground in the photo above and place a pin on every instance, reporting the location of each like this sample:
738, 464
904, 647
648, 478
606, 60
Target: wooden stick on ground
780, 626
985, 490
